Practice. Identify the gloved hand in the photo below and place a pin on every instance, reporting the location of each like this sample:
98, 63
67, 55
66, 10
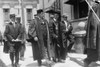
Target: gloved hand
35, 38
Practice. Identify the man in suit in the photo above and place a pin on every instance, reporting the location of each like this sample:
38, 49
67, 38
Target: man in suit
22, 47
38, 36
13, 34
68, 31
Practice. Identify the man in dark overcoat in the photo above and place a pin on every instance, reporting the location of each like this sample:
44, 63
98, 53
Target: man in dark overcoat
93, 34
38, 36
13, 34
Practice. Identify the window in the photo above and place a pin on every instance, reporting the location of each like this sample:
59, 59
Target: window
6, 15
29, 15
80, 9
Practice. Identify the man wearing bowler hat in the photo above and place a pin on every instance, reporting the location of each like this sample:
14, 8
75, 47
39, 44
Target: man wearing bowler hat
38, 35
13, 34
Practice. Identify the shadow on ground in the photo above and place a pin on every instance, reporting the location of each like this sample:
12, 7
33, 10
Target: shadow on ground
2, 64
11, 65
44, 64
77, 61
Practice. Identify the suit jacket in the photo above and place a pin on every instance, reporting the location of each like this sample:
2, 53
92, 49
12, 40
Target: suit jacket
70, 28
12, 32
56, 29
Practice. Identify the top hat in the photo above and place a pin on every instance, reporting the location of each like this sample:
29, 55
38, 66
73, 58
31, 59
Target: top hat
39, 11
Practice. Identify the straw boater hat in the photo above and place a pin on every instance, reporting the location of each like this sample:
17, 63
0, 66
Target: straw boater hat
65, 15
18, 17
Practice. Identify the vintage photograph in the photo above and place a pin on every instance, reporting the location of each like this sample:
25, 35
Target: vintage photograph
49, 33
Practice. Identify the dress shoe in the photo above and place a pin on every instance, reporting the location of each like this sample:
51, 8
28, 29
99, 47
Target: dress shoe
22, 58
39, 62
16, 65
13, 65
54, 60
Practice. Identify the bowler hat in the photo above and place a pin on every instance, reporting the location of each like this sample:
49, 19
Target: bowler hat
39, 11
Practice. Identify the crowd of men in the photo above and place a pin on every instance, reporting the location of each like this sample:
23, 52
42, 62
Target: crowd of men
49, 39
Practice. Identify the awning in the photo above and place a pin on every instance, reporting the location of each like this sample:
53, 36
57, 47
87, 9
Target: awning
72, 2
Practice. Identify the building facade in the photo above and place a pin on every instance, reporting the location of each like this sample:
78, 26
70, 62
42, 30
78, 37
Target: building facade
77, 10
15, 6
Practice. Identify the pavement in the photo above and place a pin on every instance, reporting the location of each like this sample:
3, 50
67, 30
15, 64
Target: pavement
74, 60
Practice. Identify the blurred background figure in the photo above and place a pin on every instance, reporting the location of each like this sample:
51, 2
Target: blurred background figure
22, 47
1, 38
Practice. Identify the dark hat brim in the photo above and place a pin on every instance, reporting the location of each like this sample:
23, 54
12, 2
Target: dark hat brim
39, 11
52, 12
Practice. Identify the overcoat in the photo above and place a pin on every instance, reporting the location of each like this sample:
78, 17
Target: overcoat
93, 33
92, 28
38, 29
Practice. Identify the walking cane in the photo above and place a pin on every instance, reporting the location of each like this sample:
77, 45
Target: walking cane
48, 44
